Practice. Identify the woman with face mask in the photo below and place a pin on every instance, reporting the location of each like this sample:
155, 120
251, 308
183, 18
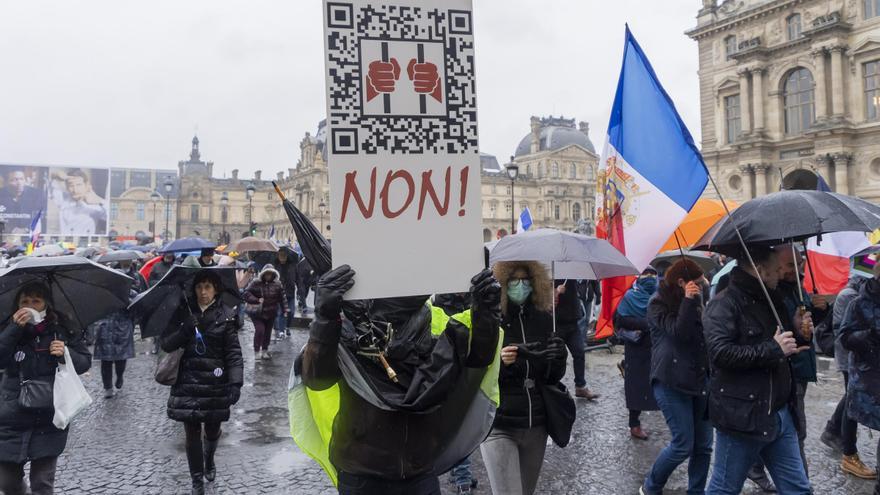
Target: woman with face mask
531, 356
632, 327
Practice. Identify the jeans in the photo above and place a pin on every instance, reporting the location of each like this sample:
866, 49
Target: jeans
734, 454
107, 373
513, 459
353, 484
42, 477
691, 439
575, 339
461, 475
283, 322
262, 333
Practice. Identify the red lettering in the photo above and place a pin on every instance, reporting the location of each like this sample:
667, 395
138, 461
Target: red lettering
428, 189
411, 191
351, 189
463, 190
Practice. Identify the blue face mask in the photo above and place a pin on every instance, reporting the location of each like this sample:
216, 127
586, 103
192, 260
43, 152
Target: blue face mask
518, 291
647, 284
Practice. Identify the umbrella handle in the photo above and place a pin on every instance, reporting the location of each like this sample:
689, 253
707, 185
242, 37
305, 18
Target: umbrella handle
201, 348
278, 190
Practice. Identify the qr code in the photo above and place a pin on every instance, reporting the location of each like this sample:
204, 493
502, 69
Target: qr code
401, 79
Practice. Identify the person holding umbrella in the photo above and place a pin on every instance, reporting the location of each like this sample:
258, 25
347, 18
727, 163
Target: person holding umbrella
31, 345
265, 296
206, 257
161, 268
285, 264
210, 373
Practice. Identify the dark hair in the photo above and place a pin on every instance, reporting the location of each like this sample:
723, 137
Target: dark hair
683, 269
78, 172
36, 289
208, 276
760, 254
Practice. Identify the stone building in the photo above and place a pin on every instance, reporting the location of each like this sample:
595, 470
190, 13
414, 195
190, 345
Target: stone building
134, 208
790, 89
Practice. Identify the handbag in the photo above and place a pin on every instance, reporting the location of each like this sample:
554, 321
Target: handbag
70, 397
168, 366
35, 395
629, 336
560, 412
254, 309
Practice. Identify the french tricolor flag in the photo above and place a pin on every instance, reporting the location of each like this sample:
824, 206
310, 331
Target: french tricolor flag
651, 172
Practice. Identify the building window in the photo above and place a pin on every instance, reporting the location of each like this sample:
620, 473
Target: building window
528, 170
590, 175
494, 189
573, 173
729, 46
798, 101
508, 190
872, 89
114, 211
576, 212
194, 213
141, 211
556, 212
732, 115
507, 206
793, 26
540, 170
554, 170
872, 8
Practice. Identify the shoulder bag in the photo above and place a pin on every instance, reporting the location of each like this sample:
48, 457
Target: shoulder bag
254, 309
560, 412
168, 366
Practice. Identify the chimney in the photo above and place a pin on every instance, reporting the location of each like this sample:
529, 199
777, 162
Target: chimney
535, 123
280, 176
210, 169
290, 172
235, 174
584, 127
257, 175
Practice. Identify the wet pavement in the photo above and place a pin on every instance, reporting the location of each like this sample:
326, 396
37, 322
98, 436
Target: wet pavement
127, 444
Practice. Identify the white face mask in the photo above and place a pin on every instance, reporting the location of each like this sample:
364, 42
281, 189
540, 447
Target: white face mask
37, 316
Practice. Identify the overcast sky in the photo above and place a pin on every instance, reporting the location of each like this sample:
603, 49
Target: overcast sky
124, 83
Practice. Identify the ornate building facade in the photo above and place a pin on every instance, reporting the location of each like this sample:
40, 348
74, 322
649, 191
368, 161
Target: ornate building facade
790, 89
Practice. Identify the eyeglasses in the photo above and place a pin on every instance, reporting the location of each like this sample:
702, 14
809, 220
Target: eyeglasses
515, 282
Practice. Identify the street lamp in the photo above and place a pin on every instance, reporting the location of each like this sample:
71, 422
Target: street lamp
512, 172
224, 201
155, 197
322, 207
250, 196
168, 187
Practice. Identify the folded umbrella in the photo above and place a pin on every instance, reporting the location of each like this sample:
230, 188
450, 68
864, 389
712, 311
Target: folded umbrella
251, 244
314, 246
187, 244
155, 307
82, 290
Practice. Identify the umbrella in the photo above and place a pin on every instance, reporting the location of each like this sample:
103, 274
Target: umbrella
49, 250
155, 307
81, 289
666, 259
148, 267
250, 244
789, 216
704, 214
121, 255
314, 246
187, 244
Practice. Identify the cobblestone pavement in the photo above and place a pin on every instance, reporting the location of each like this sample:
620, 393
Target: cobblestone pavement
127, 445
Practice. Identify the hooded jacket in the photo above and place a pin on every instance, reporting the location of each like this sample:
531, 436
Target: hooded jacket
860, 334
271, 292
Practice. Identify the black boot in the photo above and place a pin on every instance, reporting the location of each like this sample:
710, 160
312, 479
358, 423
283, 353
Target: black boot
198, 480
210, 468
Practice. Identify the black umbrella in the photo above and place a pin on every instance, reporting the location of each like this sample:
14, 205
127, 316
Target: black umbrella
789, 216
121, 255
187, 244
314, 246
82, 290
155, 307
667, 258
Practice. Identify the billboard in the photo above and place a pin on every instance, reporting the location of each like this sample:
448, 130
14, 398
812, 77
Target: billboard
75, 201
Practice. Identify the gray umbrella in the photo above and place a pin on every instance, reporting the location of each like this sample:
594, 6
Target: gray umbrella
665, 259
82, 290
121, 255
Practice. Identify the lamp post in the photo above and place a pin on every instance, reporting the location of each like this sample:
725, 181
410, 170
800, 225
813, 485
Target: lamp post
168, 187
512, 172
322, 207
250, 196
155, 197
224, 201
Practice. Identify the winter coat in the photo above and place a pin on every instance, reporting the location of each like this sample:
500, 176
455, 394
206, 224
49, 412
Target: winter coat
27, 435
272, 293
159, 270
201, 393
803, 364
750, 377
844, 298
305, 277
637, 364
287, 274
522, 405
678, 349
568, 308
860, 334
114, 337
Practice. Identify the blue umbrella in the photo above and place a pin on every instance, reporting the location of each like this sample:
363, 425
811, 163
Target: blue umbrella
187, 244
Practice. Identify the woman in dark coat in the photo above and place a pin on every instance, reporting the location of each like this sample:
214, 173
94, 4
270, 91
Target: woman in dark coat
514, 451
114, 345
210, 376
631, 326
31, 346
265, 290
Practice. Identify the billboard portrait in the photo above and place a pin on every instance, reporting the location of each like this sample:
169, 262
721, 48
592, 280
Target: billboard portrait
22, 197
79, 201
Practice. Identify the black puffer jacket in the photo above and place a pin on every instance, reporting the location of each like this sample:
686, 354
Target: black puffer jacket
678, 352
27, 435
201, 393
750, 376
521, 403
272, 293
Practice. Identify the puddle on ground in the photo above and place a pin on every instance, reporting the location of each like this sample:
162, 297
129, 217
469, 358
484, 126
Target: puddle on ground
288, 460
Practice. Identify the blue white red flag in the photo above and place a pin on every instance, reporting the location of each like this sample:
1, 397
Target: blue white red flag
525, 220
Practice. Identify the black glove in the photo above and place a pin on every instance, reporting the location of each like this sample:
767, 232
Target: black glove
234, 394
556, 349
485, 290
330, 289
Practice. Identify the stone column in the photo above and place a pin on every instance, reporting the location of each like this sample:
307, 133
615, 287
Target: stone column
760, 179
821, 94
746, 171
841, 172
837, 81
758, 97
745, 114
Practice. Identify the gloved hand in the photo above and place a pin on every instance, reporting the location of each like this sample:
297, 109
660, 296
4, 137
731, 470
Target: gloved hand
234, 394
485, 290
330, 289
556, 349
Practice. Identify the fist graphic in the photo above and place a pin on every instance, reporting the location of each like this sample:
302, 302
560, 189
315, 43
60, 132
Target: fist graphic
425, 78
381, 77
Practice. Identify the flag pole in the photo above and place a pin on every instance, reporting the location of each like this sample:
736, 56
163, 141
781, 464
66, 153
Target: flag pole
742, 243
797, 274
810, 267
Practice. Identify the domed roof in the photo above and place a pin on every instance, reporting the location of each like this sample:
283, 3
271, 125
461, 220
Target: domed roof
555, 134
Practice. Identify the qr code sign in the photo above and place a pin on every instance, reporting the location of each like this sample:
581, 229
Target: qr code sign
401, 79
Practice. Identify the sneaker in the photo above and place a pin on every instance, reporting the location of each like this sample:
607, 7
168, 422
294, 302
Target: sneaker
832, 441
760, 478
851, 464
266, 355
109, 393
584, 393
464, 490
638, 433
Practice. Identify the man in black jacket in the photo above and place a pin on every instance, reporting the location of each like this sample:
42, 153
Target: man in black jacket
751, 387
569, 316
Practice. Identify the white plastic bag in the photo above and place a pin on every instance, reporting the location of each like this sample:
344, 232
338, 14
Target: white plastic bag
70, 396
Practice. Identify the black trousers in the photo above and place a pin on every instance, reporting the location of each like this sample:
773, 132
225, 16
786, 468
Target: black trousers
195, 454
352, 484
840, 424
107, 373
42, 477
